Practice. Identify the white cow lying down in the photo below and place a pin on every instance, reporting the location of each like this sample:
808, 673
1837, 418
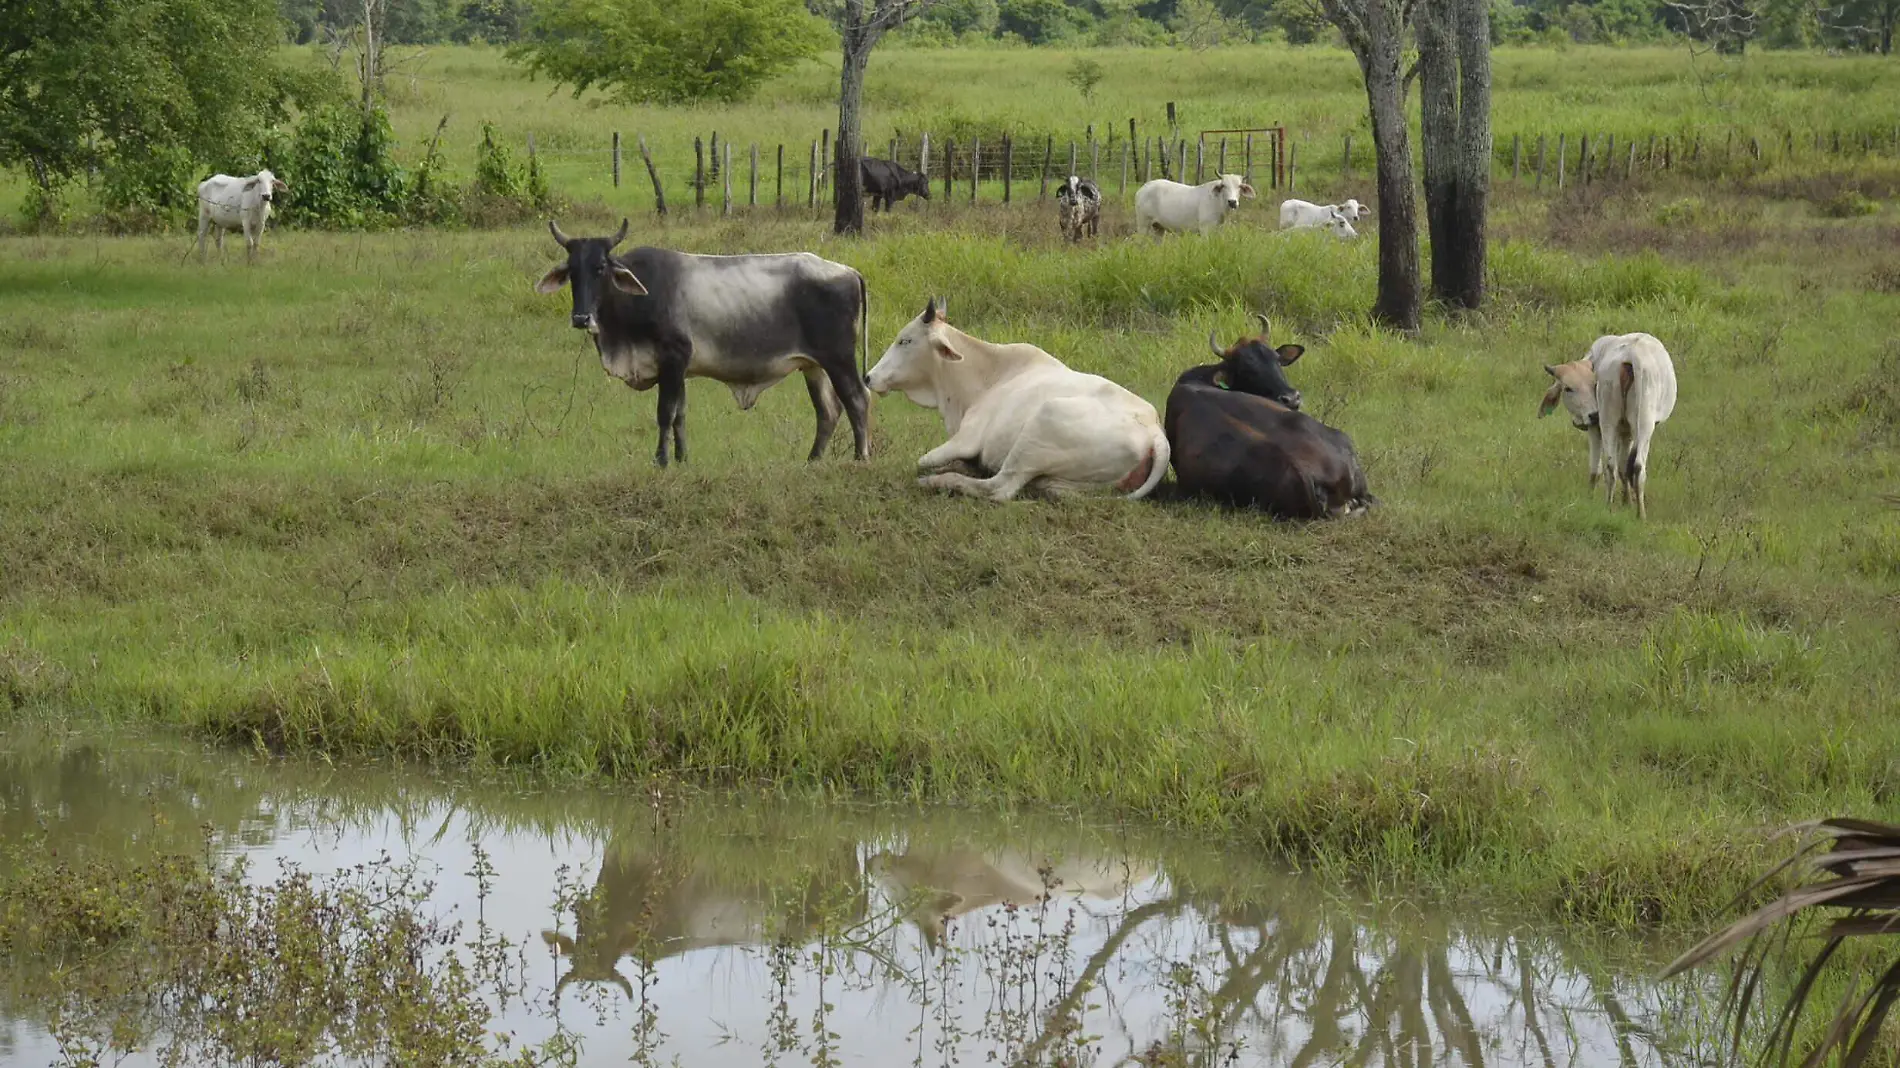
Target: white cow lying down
1618, 394
1020, 413
1163, 205
236, 204
1301, 214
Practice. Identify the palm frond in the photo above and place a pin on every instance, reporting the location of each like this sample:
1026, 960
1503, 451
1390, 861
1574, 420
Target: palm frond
1845, 864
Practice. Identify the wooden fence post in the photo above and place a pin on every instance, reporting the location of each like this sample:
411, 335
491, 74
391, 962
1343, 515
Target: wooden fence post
1009, 163
1517, 156
892, 155
1183, 143
659, 195
976, 164
1147, 161
1048, 149
1127, 149
1669, 152
752, 183
1649, 157
923, 159
1065, 178
1200, 159
1095, 162
699, 174
1246, 159
811, 191
824, 158
1562, 155
713, 147
1629, 165
779, 199
1221, 166
616, 159
1292, 158
1583, 160
949, 168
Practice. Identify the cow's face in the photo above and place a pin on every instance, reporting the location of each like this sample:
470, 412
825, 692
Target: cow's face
1575, 387
1341, 223
912, 362
1251, 366
918, 184
1229, 188
1354, 210
266, 183
590, 269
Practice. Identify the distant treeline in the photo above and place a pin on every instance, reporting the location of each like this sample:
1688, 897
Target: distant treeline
1857, 25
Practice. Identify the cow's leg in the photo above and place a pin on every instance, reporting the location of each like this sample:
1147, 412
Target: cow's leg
204, 221
679, 426
1639, 470
672, 408
250, 241
857, 402
961, 448
1596, 456
824, 402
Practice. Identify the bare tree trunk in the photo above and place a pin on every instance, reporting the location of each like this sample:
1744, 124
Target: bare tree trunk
1454, 77
848, 187
1375, 30
1438, 129
859, 27
1474, 150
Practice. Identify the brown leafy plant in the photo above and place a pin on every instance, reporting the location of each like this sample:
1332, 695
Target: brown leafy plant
1850, 865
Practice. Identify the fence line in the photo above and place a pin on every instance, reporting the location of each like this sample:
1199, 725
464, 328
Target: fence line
1008, 169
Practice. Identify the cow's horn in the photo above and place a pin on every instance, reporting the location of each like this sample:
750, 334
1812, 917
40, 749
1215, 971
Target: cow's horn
1213, 342
619, 237
559, 237
1266, 326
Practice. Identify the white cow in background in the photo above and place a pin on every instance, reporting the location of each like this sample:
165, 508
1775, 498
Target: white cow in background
236, 204
1618, 394
1163, 205
1301, 214
1020, 416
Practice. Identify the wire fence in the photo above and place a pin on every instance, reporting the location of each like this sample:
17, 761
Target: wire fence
716, 174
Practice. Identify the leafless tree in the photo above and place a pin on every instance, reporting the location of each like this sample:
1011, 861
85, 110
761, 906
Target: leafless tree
1454, 81
861, 23
1375, 31
366, 43
1727, 25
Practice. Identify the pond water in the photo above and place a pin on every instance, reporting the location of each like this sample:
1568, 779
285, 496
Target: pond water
717, 931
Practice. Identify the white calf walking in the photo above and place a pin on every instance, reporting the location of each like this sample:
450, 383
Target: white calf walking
1618, 395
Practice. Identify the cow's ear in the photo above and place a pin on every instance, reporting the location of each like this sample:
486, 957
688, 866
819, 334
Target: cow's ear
1220, 379
1246, 190
1551, 397
252, 184
626, 282
278, 184
553, 280
1289, 353
947, 352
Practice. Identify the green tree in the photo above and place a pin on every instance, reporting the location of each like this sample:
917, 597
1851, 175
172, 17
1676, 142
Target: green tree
149, 92
1041, 21
668, 51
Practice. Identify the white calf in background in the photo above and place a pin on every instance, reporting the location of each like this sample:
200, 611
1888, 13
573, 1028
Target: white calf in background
1618, 394
236, 204
1302, 214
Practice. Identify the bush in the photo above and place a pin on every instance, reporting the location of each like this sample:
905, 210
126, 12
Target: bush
1847, 204
340, 169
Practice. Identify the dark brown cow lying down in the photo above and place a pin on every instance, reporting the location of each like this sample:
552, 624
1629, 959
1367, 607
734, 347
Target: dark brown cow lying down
1237, 438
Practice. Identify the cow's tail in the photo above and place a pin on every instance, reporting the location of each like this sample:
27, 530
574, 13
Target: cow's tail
864, 329
1159, 456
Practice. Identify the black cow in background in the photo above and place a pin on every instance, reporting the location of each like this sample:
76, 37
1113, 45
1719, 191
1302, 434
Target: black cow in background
890, 183
1238, 438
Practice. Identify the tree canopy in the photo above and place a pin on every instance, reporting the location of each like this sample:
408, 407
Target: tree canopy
669, 51
145, 91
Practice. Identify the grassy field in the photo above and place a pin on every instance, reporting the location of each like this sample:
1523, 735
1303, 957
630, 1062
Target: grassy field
375, 496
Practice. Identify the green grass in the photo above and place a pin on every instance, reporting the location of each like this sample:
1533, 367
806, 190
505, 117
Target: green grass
375, 497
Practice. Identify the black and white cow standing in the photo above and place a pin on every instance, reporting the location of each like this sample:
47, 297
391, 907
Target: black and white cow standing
1081, 205
658, 317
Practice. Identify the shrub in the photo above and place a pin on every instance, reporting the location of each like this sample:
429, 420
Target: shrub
1847, 204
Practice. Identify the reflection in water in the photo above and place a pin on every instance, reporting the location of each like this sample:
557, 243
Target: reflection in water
748, 931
